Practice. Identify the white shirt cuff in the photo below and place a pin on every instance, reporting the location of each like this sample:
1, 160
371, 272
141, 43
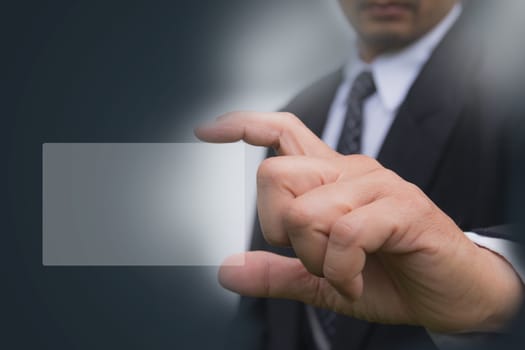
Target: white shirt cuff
505, 248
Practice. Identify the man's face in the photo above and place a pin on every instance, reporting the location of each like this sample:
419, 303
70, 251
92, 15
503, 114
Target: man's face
391, 24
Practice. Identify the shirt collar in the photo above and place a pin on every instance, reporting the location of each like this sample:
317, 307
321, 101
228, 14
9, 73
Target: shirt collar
394, 73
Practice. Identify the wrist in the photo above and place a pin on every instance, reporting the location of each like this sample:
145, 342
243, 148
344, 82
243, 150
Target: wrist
501, 291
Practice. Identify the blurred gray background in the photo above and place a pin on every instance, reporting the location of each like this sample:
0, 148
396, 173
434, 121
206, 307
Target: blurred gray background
142, 71
135, 71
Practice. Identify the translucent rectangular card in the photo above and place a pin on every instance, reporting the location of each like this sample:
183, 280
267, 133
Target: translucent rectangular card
143, 203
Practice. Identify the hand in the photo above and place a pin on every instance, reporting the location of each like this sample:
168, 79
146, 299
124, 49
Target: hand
369, 244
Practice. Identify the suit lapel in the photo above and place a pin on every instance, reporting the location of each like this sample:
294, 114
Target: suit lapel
426, 120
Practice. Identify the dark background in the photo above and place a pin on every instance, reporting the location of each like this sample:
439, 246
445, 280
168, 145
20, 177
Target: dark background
116, 71
128, 71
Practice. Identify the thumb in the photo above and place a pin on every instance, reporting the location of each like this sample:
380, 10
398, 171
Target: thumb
268, 275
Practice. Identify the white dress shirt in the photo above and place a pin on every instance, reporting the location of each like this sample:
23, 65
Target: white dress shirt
394, 75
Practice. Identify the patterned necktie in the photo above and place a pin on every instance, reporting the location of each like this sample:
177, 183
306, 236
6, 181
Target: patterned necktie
349, 143
350, 139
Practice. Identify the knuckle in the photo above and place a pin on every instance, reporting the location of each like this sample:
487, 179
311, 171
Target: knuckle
291, 121
364, 161
289, 117
368, 160
297, 216
386, 182
345, 232
388, 177
269, 171
419, 202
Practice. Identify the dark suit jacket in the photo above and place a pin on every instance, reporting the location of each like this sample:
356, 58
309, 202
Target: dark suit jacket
448, 138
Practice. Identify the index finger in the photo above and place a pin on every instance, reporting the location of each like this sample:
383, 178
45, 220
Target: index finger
282, 131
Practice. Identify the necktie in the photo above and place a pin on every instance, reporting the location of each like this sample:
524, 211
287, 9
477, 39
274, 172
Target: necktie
349, 143
350, 139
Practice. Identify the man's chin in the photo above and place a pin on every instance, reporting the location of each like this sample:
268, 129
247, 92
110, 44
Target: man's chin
387, 41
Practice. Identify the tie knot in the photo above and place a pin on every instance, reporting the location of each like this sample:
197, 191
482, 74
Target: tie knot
363, 87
